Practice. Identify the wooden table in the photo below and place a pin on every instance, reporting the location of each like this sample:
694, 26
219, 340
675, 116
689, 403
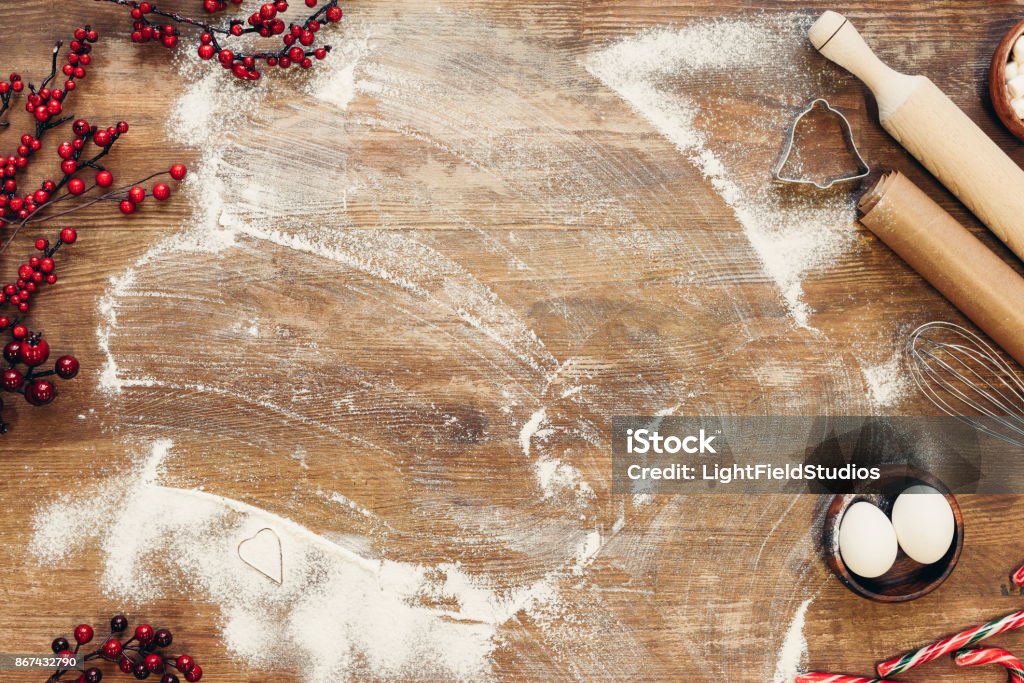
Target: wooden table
574, 261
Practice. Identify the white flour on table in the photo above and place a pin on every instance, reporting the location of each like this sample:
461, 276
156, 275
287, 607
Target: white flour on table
479, 107
792, 240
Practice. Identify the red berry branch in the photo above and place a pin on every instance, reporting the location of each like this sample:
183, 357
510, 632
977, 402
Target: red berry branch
139, 655
26, 351
150, 23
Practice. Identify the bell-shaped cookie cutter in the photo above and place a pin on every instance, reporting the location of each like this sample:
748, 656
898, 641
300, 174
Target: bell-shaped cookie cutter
863, 169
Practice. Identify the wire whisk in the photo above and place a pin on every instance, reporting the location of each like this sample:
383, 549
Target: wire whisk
966, 378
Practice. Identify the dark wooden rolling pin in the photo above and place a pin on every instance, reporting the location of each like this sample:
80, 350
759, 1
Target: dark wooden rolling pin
946, 254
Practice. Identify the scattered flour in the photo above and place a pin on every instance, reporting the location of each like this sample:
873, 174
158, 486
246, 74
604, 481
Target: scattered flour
391, 618
394, 619
337, 85
888, 383
588, 550
792, 240
794, 648
534, 429
556, 478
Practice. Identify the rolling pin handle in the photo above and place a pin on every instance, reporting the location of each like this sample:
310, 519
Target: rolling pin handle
836, 38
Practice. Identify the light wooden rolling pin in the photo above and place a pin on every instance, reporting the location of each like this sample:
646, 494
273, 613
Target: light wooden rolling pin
932, 128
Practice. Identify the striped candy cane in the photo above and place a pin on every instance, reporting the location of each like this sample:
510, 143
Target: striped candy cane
1018, 577
950, 645
992, 655
836, 678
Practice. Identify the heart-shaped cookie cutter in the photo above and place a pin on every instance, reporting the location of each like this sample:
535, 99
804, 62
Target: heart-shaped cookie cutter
277, 574
863, 170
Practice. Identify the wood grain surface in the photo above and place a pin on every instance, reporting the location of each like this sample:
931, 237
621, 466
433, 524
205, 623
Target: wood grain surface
530, 242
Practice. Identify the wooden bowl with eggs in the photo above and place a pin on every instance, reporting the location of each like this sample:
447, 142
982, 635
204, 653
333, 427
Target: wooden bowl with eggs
906, 579
1006, 90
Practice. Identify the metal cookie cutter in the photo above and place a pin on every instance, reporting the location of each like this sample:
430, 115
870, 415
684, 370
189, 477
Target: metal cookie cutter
863, 169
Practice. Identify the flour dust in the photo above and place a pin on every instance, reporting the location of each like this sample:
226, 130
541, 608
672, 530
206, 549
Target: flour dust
375, 293
793, 239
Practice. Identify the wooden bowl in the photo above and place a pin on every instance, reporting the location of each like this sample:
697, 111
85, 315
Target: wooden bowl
997, 82
906, 580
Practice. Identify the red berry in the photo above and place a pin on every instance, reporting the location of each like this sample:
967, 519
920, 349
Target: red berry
136, 195
127, 207
178, 171
101, 138
80, 127
83, 634
76, 186
185, 663
42, 244
67, 367
18, 331
68, 166
12, 352
12, 379
334, 14
112, 648
104, 179
154, 663
122, 127
126, 665
68, 235
144, 632
46, 265
161, 192
65, 150
226, 56
194, 675
206, 51
39, 392
34, 352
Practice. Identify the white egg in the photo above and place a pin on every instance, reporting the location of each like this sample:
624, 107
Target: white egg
867, 540
924, 523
